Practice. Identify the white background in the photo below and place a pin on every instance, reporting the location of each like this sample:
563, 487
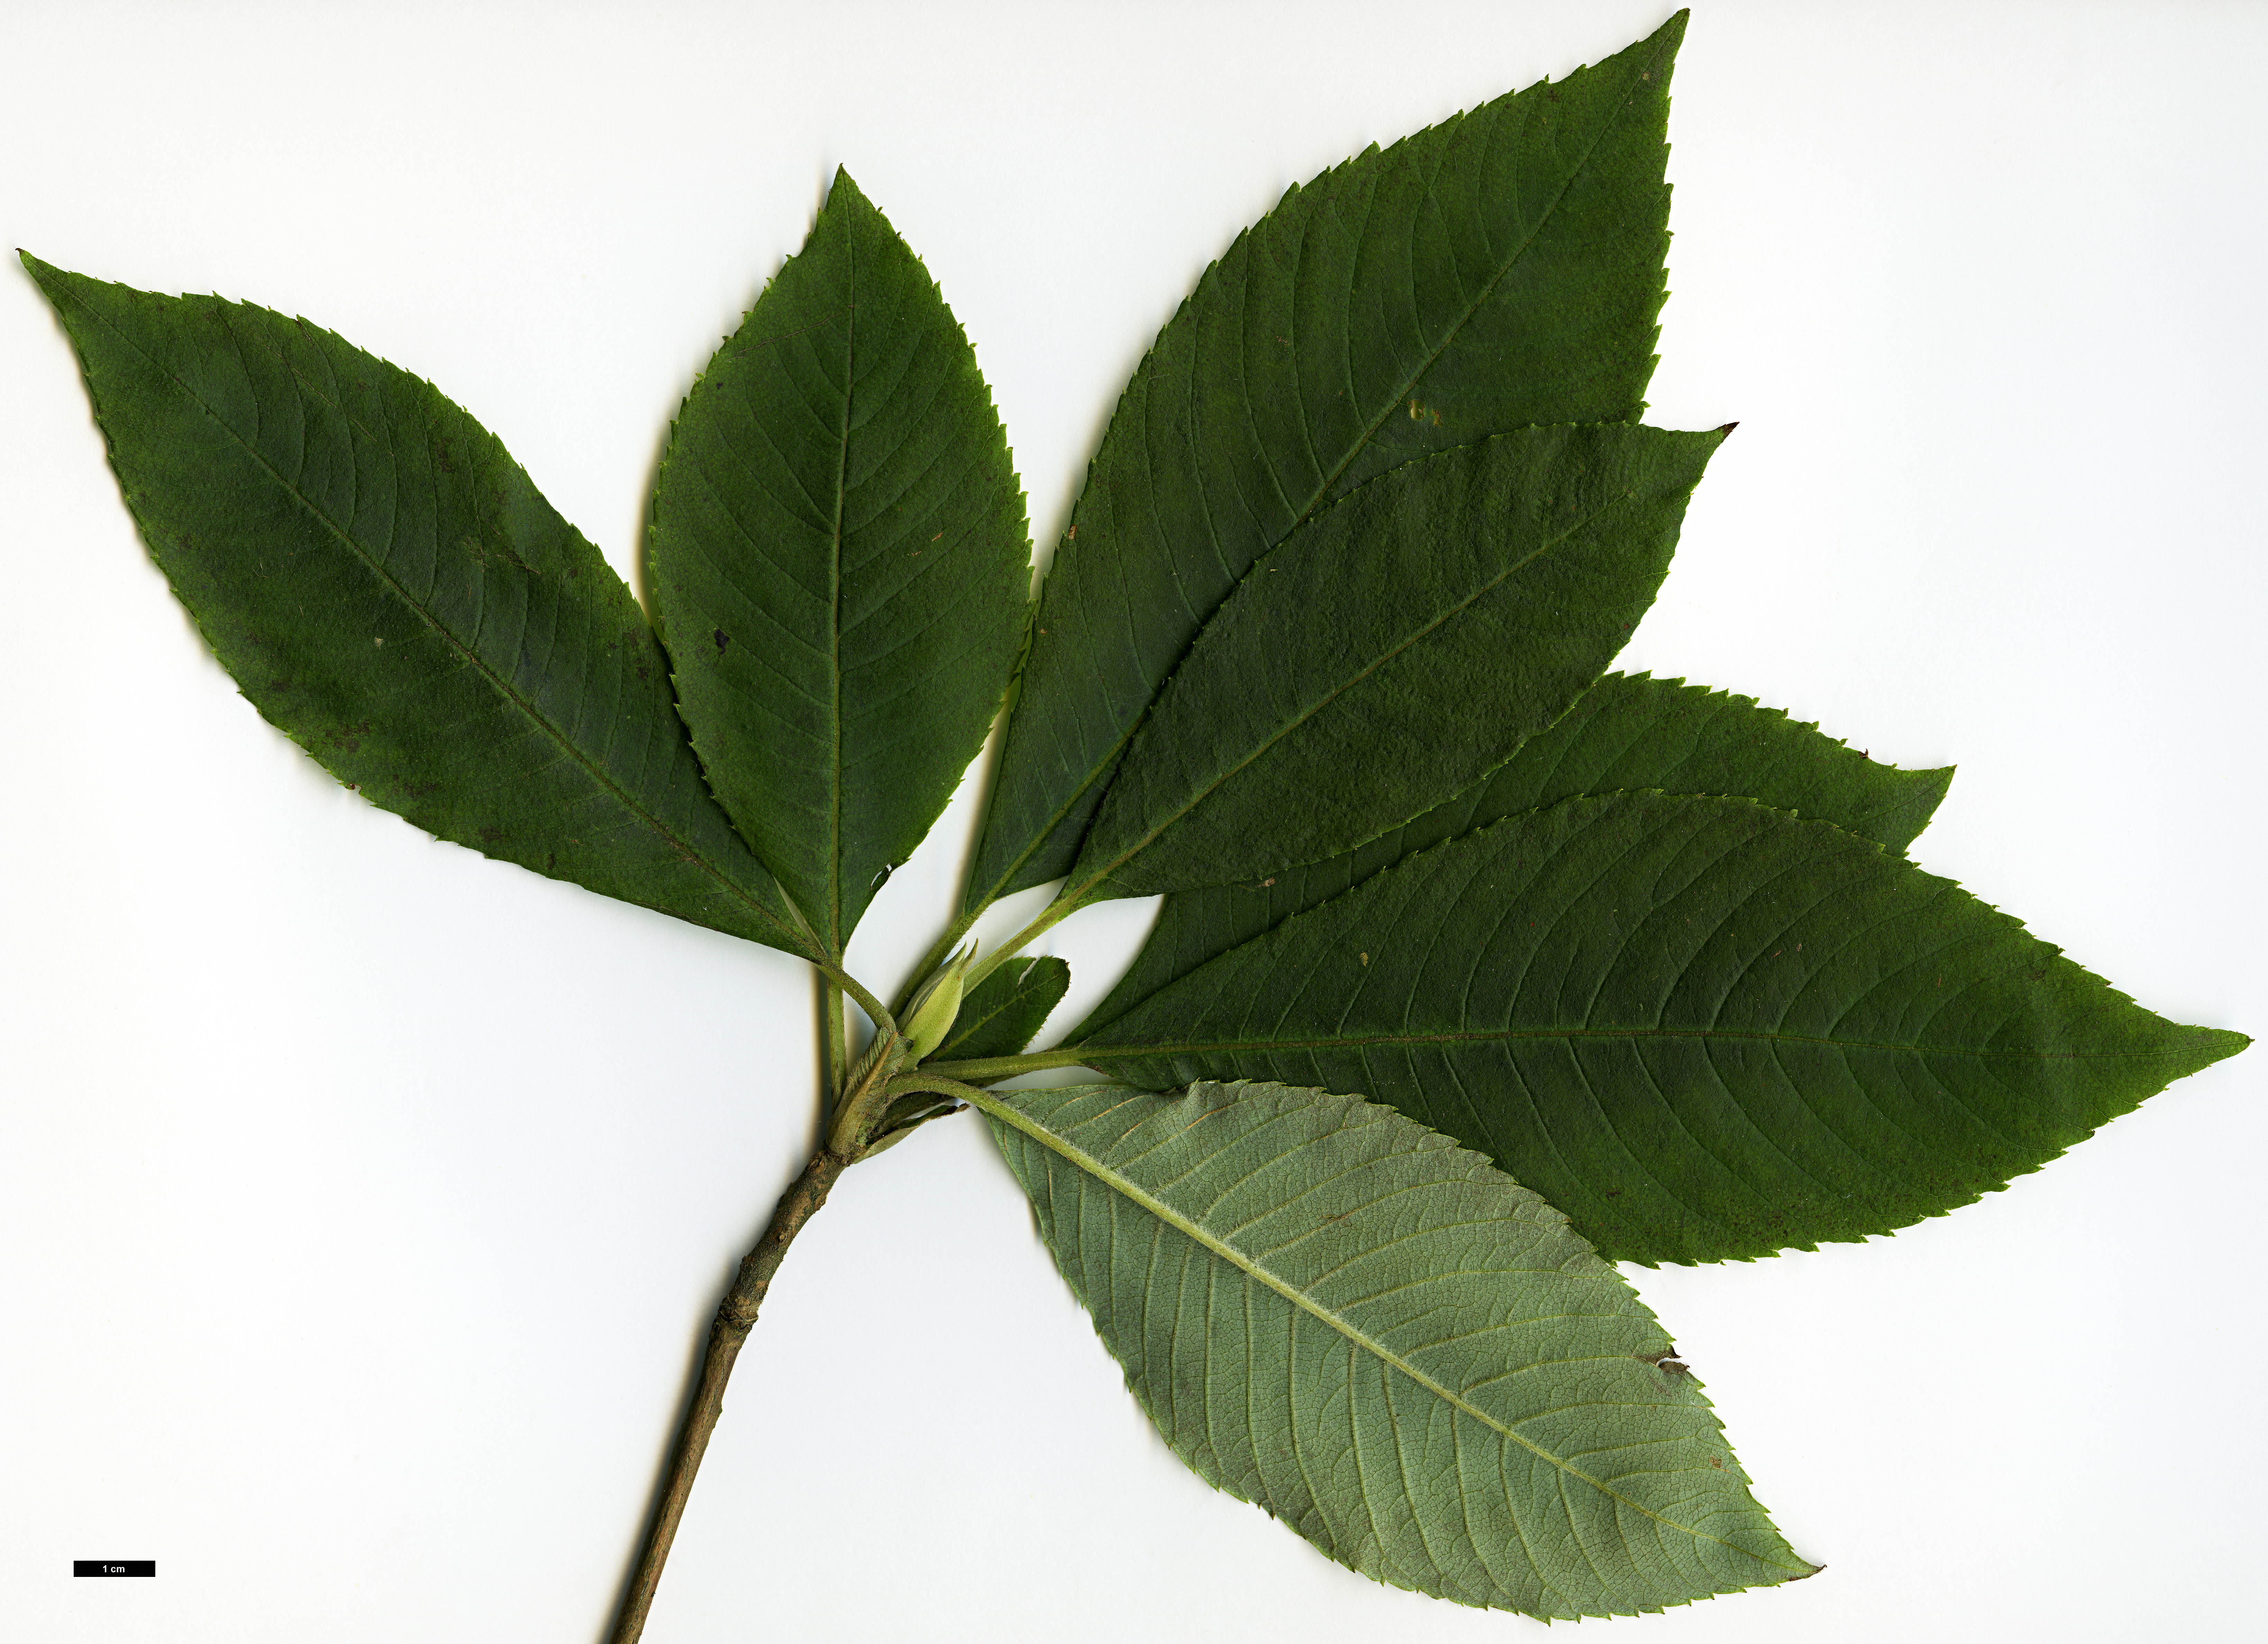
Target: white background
362, 1201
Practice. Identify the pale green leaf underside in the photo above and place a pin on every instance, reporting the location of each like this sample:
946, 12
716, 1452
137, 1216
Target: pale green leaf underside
1392, 652
390, 590
1408, 1357
841, 562
1498, 271
1701, 1027
1628, 732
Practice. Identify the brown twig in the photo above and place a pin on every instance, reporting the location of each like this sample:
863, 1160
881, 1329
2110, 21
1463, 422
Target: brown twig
736, 1315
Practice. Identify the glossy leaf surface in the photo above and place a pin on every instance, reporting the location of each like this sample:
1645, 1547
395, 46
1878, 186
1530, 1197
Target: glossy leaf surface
1393, 652
1702, 1028
1399, 1351
841, 562
1498, 271
390, 590
1628, 732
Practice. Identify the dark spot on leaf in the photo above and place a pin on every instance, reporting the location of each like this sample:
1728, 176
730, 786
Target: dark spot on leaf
492, 835
723, 639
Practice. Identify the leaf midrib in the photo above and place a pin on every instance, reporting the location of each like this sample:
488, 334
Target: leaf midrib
503, 687
1387, 407
1080, 1159
1324, 702
836, 935
1046, 831
1091, 1054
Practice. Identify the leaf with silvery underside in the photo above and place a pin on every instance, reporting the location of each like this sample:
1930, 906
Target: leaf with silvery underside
390, 590
1702, 1028
1392, 652
1002, 1013
1399, 1351
841, 562
1499, 270
1628, 732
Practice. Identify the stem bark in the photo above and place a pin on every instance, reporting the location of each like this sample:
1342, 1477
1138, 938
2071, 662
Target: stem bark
736, 1315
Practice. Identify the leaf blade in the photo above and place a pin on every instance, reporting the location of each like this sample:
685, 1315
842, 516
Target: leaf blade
1392, 652
311, 505
1003, 1012
1627, 731
1531, 232
1690, 1022
1462, 1308
841, 562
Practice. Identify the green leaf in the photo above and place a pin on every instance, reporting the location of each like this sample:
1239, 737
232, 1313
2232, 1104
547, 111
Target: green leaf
841, 562
1702, 1028
1002, 1013
391, 592
1399, 1351
1499, 270
1394, 651
1627, 731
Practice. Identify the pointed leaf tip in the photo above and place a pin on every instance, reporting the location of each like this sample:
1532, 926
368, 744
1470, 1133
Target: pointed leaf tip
1715, 1031
1500, 271
1629, 732
352, 553
1447, 610
1403, 1354
841, 562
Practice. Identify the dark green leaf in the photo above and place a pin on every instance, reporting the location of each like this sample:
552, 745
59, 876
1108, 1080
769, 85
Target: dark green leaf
1402, 1353
1702, 1028
841, 562
1499, 270
391, 592
1392, 652
1627, 731
1002, 1013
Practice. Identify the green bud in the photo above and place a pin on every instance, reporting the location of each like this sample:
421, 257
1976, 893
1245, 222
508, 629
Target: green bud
935, 1006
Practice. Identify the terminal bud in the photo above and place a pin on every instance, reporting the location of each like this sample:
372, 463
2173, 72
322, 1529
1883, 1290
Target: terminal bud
935, 1007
